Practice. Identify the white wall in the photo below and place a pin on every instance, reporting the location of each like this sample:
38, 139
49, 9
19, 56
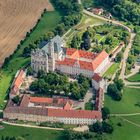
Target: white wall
40, 118
100, 84
74, 70
102, 66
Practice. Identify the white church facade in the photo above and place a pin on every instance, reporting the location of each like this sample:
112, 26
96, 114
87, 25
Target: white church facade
70, 61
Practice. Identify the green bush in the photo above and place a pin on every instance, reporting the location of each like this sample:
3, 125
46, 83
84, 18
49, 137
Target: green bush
54, 125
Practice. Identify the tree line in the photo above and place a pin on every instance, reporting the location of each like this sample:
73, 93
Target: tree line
135, 51
72, 14
125, 9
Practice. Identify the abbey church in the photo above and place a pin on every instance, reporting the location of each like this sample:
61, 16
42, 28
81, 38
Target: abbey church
71, 61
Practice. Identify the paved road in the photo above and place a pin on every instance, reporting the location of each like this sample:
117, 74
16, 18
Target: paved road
79, 1
108, 20
138, 87
128, 48
133, 71
31, 126
131, 122
125, 56
131, 83
123, 115
88, 96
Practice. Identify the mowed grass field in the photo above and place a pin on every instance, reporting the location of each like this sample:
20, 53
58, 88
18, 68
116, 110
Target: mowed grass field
128, 103
134, 78
127, 131
135, 119
48, 22
31, 133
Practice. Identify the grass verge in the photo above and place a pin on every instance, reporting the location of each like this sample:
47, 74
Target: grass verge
31, 133
134, 78
111, 71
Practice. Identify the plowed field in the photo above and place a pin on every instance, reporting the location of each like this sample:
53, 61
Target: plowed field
16, 18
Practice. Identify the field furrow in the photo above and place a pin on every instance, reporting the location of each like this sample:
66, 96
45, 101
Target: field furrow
16, 18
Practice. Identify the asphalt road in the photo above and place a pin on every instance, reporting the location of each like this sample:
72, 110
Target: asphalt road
128, 48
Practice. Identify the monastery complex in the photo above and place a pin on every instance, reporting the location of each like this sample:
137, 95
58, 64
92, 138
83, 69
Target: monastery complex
54, 57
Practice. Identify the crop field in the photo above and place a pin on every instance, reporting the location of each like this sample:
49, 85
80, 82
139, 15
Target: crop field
16, 18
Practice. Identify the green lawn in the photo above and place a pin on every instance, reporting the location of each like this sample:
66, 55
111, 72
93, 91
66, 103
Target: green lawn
125, 132
128, 103
89, 106
135, 119
111, 71
136, 85
82, 26
89, 21
134, 78
48, 22
31, 133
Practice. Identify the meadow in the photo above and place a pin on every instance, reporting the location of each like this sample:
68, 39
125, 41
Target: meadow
123, 130
31, 133
128, 104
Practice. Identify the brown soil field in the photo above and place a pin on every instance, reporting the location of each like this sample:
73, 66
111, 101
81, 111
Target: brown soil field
16, 18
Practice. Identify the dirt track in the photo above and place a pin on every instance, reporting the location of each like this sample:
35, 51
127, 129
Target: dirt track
16, 18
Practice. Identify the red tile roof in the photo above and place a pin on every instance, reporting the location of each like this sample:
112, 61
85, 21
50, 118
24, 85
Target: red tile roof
75, 113
65, 103
70, 51
97, 77
17, 82
94, 60
25, 101
55, 112
99, 59
97, 10
67, 61
85, 54
68, 106
99, 99
71, 62
86, 65
41, 100
19, 79
74, 53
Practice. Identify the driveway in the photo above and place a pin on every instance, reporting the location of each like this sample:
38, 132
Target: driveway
88, 96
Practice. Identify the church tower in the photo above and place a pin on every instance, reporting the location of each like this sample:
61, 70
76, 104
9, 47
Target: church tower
51, 58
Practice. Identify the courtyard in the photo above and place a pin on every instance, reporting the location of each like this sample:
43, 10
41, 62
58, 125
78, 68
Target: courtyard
77, 104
